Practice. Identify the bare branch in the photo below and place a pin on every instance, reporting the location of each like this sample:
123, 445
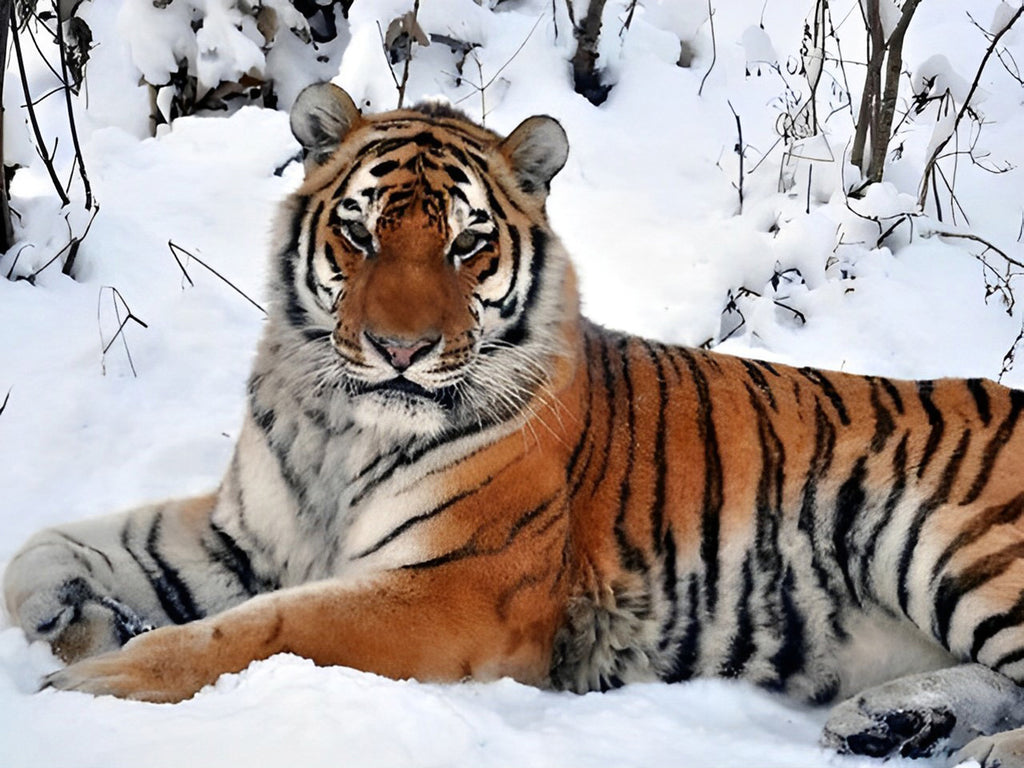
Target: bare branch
40, 142
929, 169
714, 48
177, 249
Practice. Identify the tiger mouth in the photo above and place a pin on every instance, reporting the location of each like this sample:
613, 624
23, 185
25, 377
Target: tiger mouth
403, 388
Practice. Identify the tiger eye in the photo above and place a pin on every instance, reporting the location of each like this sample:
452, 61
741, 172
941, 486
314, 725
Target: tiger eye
465, 243
359, 235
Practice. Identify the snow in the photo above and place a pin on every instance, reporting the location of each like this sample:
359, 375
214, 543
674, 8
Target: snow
649, 207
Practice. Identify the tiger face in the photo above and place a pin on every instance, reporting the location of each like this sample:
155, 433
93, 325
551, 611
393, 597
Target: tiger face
424, 250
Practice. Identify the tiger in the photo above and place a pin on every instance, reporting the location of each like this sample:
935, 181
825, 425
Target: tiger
446, 472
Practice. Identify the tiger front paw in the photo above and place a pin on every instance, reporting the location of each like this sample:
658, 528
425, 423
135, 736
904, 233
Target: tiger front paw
166, 665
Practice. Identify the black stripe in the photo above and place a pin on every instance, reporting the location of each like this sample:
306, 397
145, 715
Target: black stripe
631, 555
685, 662
789, 659
383, 169
884, 425
232, 557
311, 280
897, 488
995, 446
417, 519
935, 420
993, 625
809, 517
760, 382
768, 509
660, 464
570, 468
610, 400
174, 585
818, 377
87, 547
1007, 659
894, 393
977, 526
294, 311
952, 589
174, 597
849, 503
933, 502
516, 247
669, 588
472, 549
490, 270
711, 507
456, 174
741, 645
981, 400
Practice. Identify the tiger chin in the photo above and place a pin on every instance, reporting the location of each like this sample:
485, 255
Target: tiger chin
445, 471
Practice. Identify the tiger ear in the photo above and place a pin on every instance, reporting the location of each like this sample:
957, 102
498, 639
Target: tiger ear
320, 118
536, 150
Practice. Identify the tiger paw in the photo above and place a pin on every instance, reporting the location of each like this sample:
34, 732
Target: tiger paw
67, 608
1001, 750
855, 727
164, 666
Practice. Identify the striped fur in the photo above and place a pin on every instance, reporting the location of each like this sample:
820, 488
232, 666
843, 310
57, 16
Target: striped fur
445, 471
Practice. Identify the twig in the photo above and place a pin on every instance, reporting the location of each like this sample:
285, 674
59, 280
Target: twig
121, 324
71, 247
484, 86
1009, 357
988, 246
714, 48
384, 49
62, 48
3, 405
48, 162
176, 249
739, 150
929, 168
629, 17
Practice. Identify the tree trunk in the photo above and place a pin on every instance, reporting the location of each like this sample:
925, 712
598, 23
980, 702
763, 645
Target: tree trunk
585, 74
6, 229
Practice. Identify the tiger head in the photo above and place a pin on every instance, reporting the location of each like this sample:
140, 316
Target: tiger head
421, 255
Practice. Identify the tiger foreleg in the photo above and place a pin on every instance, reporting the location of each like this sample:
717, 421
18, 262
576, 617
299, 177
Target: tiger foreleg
932, 713
398, 625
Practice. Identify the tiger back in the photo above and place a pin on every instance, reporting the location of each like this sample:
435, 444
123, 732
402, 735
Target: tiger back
445, 471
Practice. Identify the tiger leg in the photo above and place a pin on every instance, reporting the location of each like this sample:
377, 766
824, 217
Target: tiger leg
91, 586
927, 714
402, 624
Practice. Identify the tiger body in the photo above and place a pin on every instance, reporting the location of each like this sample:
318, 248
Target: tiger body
445, 471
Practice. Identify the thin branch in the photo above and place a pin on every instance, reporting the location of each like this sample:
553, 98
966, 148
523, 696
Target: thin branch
3, 405
714, 48
739, 150
121, 324
62, 48
48, 162
929, 169
988, 246
177, 249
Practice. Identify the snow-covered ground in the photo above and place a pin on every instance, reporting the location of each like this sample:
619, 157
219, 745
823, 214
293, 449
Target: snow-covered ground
648, 206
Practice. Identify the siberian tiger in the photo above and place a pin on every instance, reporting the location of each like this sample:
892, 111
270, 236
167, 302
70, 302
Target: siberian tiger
445, 471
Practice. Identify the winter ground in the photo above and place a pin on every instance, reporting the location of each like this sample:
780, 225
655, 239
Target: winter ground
647, 205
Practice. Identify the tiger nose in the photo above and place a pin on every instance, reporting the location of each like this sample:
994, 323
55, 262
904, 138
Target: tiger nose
401, 353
